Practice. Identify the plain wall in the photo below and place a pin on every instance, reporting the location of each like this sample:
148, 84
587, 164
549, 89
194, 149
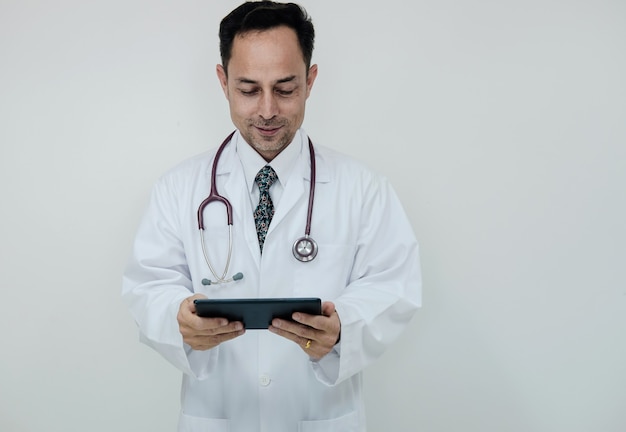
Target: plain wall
502, 125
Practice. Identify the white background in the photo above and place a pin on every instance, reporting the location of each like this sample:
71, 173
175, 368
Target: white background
502, 125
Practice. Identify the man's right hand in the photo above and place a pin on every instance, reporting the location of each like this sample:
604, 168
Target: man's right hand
204, 333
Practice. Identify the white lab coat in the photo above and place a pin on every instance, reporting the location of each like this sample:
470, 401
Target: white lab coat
367, 265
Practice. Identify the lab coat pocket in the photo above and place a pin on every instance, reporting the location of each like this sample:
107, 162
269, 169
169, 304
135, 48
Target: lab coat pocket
187, 423
347, 423
327, 274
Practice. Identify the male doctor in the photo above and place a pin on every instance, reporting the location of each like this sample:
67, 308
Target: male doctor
300, 375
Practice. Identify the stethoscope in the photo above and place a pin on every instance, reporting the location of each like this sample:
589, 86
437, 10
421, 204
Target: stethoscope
304, 249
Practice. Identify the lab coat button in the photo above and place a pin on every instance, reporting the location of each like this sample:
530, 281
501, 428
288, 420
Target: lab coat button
264, 380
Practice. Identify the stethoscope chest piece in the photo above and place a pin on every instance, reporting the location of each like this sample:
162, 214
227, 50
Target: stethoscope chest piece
305, 249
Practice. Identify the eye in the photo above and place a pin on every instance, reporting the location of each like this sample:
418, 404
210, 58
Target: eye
284, 92
248, 92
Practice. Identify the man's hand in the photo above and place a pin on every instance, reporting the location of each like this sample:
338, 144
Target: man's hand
316, 334
204, 333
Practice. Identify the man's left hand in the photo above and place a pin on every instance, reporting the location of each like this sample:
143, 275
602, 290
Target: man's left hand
315, 334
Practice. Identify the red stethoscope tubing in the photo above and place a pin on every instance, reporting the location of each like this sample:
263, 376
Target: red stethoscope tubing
213, 195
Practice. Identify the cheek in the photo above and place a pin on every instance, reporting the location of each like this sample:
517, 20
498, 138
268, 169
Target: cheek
293, 107
241, 108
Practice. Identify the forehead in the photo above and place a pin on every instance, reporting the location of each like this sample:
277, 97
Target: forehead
267, 53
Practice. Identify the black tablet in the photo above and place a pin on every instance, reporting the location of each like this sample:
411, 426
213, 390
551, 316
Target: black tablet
257, 313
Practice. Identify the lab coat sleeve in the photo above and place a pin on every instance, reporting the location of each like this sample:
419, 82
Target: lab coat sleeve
157, 280
384, 290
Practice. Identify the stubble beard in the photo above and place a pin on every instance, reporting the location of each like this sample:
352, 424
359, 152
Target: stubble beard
272, 144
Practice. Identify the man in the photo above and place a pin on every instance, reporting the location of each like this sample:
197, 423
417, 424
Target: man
303, 374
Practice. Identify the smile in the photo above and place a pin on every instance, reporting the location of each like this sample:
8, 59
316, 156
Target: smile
268, 131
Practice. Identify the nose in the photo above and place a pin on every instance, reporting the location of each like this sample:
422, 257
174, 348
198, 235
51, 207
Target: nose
268, 106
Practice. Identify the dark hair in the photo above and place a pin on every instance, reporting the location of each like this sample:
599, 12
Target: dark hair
264, 15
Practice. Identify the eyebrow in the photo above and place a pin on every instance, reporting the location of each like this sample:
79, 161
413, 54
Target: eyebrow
279, 81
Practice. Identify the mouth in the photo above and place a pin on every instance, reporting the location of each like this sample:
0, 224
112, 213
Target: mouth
268, 131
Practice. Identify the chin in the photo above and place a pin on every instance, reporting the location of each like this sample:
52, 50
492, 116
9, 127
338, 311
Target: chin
274, 143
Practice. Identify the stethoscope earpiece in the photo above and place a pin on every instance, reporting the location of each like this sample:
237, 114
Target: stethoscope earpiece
236, 277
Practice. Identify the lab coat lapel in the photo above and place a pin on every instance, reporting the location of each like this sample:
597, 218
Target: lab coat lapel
236, 191
291, 195
298, 186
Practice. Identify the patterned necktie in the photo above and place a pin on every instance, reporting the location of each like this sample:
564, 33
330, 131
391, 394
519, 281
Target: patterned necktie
265, 210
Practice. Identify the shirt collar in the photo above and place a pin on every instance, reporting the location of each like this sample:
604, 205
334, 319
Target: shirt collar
283, 163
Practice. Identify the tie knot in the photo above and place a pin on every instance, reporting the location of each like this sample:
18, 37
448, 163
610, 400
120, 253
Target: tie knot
265, 178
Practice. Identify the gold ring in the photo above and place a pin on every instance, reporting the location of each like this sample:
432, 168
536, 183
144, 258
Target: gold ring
308, 344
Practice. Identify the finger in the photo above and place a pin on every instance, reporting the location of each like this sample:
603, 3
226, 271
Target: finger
202, 343
215, 326
328, 308
187, 311
314, 321
327, 328
308, 339
317, 321
301, 330
189, 302
294, 332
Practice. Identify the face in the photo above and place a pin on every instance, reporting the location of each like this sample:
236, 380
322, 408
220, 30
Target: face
267, 86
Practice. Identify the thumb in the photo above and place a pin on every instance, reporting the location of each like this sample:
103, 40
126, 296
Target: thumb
190, 301
328, 308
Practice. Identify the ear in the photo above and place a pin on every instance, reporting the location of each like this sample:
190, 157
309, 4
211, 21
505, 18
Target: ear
223, 78
310, 79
